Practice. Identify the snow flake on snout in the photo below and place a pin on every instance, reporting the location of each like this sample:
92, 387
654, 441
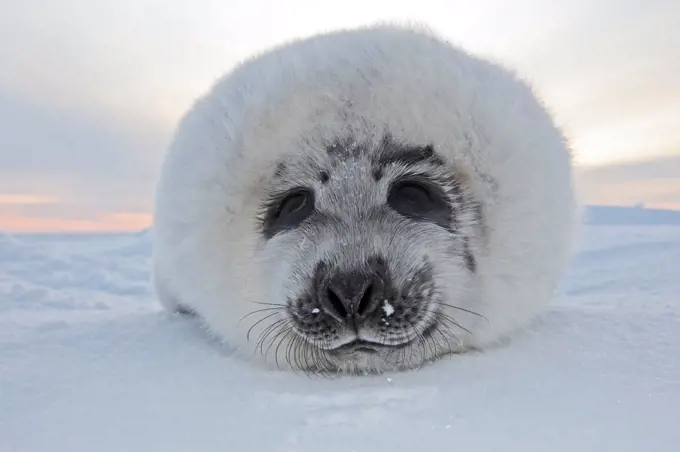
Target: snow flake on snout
387, 308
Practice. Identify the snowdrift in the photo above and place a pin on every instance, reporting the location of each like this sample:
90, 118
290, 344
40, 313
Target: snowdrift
89, 362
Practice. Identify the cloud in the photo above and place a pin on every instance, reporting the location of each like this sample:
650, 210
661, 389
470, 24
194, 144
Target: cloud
90, 91
654, 182
76, 157
23, 200
100, 222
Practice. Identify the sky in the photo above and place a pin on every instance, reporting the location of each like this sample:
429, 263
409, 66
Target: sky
91, 90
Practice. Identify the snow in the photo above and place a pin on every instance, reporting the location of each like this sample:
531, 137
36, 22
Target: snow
387, 308
89, 362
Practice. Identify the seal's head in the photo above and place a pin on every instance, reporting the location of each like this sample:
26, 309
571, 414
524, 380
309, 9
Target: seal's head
375, 242
363, 200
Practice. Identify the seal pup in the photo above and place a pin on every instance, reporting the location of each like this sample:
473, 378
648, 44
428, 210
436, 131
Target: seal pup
364, 200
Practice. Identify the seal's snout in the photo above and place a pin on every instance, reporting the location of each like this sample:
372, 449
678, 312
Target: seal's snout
351, 296
356, 305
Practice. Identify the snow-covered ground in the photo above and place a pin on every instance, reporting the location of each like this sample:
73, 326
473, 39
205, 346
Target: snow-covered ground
89, 362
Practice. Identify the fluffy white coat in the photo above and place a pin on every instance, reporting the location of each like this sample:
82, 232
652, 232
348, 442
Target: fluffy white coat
406, 80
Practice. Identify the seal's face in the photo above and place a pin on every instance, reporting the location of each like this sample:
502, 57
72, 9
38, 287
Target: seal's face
368, 249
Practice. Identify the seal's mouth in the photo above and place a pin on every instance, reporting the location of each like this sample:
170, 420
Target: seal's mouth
360, 346
370, 347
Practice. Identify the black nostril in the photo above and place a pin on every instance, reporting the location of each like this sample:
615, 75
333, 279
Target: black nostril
336, 303
366, 300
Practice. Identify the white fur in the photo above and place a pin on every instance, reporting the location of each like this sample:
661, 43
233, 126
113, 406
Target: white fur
486, 121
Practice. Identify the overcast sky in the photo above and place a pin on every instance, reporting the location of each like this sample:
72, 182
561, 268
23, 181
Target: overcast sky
90, 90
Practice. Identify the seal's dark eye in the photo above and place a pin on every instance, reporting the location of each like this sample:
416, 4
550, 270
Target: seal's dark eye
420, 201
410, 194
289, 212
293, 205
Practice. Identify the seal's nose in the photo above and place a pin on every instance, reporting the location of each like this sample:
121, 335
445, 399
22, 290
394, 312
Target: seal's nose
351, 296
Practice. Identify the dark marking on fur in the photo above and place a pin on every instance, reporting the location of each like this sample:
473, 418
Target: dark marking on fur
470, 261
391, 151
377, 174
411, 156
345, 148
478, 210
183, 310
490, 181
280, 169
324, 176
